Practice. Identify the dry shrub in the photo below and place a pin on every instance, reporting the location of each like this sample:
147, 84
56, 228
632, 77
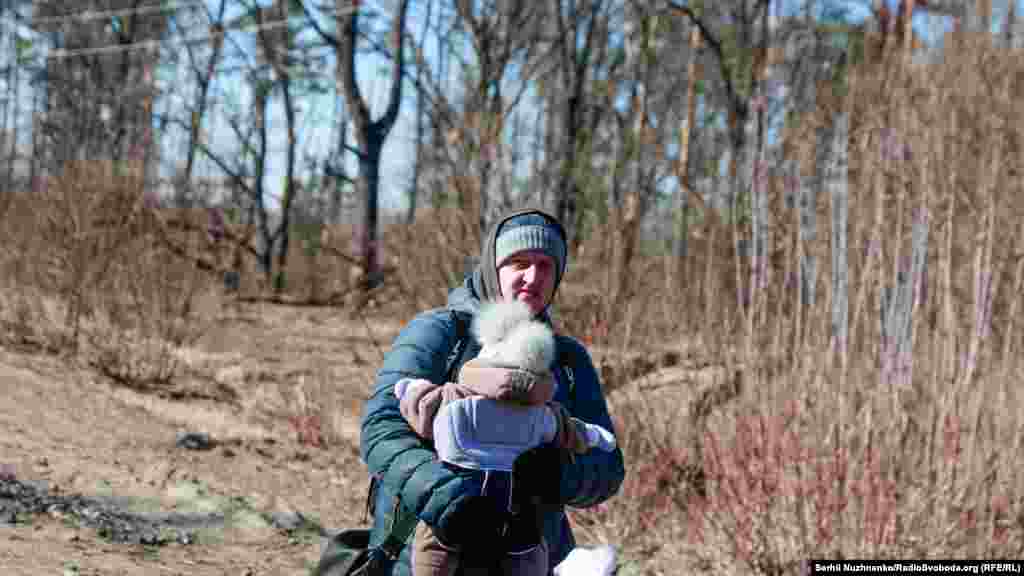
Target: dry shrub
321, 264
419, 263
661, 301
816, 477
874, 455
322, 406
430, 256
88, 265
795, 469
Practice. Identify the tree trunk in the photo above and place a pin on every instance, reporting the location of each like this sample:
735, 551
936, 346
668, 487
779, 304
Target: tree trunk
338, 180
899, 321
538, 170
1010, 26
417, 168
5, 185
36, 159
575, 62
759, 229
291, 188
369, 183
740, 166
683, 165
839, 197
567, 189
261, 100
204, 78
14, 80
760, 232
370, 134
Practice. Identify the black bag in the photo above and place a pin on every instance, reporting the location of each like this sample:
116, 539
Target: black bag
348, 553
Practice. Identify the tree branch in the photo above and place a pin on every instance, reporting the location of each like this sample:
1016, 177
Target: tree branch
349, 26
388, 119
324, 35
713, 42
234, 175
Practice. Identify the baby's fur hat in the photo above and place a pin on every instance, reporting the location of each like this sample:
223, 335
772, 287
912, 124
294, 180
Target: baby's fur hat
511, 337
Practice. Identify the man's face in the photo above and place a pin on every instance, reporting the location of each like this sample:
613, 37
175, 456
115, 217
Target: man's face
529, 277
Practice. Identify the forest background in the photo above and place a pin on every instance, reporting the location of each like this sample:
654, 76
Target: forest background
816, 203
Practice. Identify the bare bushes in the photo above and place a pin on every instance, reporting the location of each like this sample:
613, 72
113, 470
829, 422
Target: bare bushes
431, 255
813, 477
790, 467
895, 435
88, 275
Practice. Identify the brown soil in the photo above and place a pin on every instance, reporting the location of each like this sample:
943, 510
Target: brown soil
69, 433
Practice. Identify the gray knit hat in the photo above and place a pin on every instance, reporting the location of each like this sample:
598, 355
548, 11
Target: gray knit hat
531, 231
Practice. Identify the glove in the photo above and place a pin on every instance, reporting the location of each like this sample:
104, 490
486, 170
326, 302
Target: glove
571, 433
599, 437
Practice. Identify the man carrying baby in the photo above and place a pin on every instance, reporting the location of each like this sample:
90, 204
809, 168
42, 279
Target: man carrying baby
500, 408
523, 259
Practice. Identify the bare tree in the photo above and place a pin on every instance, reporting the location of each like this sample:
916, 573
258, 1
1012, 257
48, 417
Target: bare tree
736, 34
682, 166
100, 82
203, 75
581, 37
500, 35
421, 120
9, 116
271, 72
276, 46
371, 134
839, 197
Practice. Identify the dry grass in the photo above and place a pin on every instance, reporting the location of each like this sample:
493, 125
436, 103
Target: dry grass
868, 451
87, 275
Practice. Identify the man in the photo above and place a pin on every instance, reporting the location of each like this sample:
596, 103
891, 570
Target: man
523, 258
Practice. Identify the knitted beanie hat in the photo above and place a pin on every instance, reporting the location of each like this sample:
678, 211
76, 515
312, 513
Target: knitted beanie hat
531, 231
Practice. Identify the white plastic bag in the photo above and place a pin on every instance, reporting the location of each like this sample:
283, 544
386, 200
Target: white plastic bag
598, 561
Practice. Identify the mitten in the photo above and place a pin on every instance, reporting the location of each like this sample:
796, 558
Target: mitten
571, 434
598, 436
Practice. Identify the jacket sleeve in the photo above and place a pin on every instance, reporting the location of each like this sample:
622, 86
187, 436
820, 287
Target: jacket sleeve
406, 463
591, 478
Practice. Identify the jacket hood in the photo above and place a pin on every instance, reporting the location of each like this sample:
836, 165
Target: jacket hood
484, 278
464, 298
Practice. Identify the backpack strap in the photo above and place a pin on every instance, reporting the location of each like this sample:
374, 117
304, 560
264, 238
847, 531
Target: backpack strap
403, 523
454, 362
565, 364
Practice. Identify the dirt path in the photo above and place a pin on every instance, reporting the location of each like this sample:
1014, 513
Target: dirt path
67, 432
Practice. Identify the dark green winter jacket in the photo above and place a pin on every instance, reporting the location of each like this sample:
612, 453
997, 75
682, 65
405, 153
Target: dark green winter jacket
408, 469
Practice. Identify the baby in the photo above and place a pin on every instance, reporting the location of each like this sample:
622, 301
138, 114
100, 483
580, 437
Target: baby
500, 407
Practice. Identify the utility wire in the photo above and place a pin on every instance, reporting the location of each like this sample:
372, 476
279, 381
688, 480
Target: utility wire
87, 15
62, 53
